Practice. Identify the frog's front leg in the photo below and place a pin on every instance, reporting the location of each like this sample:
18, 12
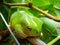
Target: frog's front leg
19, 31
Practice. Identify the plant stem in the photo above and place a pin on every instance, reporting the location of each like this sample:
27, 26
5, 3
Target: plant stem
54, 40
34, 8
36, 41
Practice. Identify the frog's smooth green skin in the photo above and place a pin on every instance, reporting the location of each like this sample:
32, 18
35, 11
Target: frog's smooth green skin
25, 24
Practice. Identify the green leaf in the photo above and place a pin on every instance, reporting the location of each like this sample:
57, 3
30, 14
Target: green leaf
52, 26
57, 8
57, 16
4, 11
40, 2
47, 37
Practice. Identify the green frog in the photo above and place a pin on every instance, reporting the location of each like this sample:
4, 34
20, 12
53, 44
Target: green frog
25, 24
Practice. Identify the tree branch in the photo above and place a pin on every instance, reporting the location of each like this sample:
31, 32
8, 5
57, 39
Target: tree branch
34, 8
46, 14
34, 41
4, 34
14, 4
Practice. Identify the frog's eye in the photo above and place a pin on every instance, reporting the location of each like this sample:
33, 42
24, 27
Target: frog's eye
29, 28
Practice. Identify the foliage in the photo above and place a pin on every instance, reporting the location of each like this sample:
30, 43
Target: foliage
50, 28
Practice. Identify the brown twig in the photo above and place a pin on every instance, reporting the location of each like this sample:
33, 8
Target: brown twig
34, 41
14, 4
34, 8
4, 34
46, 14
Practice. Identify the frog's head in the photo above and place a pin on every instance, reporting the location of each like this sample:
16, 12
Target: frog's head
32, 25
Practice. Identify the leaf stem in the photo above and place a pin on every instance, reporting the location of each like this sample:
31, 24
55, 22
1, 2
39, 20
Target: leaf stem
32, 7
54, 40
